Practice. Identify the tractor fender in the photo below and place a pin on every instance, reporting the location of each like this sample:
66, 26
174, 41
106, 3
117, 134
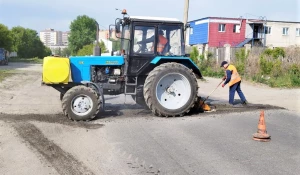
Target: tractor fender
186, 61
99, 89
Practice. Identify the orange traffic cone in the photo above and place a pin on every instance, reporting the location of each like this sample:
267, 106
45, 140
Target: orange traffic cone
261, 134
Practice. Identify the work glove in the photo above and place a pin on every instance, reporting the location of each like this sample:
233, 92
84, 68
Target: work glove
223, 85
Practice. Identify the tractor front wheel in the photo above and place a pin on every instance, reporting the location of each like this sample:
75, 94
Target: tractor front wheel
81, 103
171, 90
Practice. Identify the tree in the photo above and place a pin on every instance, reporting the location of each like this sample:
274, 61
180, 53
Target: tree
47, 51
65, 52
82, 32
57, 51
88, 49
27, 43
116, 44
5, 38
103, 47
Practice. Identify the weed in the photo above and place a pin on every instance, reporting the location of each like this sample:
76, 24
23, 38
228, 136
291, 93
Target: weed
5, 73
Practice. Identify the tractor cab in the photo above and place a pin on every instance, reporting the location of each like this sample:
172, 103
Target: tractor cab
144, 39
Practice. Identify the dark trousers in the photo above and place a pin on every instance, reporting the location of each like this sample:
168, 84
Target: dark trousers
236, 87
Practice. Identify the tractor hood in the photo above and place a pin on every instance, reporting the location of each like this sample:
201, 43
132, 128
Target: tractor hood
81, 65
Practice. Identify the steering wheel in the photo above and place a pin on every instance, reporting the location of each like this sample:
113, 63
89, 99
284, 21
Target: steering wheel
140, 49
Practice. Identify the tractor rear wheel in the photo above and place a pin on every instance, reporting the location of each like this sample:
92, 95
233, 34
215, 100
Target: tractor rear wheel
171, 90
81, 103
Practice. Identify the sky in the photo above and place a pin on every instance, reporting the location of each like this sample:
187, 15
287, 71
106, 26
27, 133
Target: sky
58, 14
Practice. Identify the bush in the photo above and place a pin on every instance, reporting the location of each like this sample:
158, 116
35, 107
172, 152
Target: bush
194, 55
294, 73
276, 70
240, 63
209, 67
278, 52
265, 65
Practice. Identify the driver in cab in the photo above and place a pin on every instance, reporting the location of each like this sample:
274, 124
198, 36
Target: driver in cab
162, 41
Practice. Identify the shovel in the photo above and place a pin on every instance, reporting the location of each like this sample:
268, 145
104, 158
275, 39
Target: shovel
211, 93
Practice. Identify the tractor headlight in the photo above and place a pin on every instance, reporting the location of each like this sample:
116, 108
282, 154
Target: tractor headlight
117, 71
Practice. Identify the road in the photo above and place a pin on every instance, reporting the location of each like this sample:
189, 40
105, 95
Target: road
126, 139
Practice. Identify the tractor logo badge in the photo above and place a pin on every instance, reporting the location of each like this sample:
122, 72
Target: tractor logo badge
81, 62
111, 62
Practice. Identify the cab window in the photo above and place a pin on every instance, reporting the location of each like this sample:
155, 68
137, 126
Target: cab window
144, 38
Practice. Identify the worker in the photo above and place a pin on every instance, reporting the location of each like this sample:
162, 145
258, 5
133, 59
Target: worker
162, 41
233, 79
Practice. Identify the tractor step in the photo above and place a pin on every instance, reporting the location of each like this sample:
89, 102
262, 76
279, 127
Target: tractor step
130, 85
130, 93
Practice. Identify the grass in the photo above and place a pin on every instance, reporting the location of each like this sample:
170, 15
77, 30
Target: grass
284, 81
27, 60
6, 73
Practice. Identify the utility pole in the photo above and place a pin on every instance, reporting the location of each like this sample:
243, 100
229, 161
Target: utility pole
185, 16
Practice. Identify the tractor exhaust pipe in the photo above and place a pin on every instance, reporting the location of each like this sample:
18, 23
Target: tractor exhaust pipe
97, 49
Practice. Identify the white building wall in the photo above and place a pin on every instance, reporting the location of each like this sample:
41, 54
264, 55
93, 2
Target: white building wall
50, 37
276, 37
249, 31
59, 38
65, 38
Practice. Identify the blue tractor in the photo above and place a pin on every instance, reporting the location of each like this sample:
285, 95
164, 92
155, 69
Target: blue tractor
158, 75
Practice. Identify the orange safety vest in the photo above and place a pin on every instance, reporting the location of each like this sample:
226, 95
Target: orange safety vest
161, 44
235, 77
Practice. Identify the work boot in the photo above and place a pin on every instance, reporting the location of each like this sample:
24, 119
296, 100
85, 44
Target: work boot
235, 105
245, 102
238, 106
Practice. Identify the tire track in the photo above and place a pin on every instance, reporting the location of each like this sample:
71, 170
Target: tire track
63, 162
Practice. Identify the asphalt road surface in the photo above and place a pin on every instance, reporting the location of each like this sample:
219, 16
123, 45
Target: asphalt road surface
35, 138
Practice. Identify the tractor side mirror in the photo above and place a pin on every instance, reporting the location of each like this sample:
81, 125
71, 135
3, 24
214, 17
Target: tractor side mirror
118, 25
111, 28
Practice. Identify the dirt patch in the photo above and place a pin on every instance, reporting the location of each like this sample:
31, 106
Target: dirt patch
58, 119
18, 79
63, 162
220, 109
128, 111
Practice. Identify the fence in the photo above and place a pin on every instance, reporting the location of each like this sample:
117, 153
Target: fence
221, 53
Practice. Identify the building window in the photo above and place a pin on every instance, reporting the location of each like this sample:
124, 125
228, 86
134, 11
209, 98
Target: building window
297, 31
191, 31
267, 30
236, 28
221, 27
285, 31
